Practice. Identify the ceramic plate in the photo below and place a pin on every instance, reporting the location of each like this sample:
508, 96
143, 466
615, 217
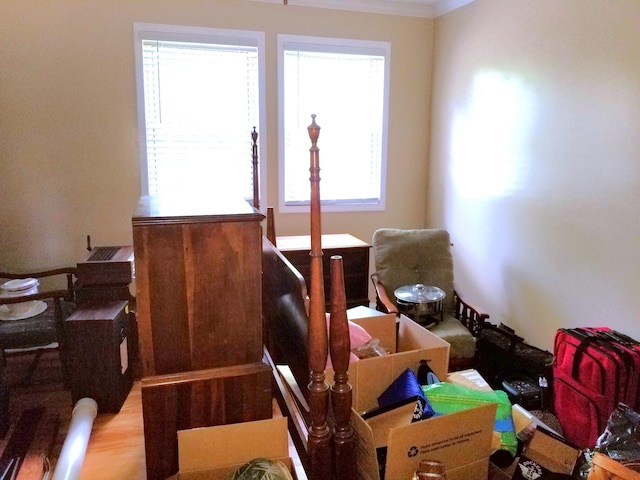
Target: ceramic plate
37, 309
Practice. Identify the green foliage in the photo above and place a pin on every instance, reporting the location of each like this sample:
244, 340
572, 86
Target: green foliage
262, 469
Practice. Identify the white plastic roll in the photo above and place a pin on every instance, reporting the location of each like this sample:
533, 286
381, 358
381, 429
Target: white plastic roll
75, 444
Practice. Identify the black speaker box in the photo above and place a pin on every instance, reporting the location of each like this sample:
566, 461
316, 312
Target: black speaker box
99, 352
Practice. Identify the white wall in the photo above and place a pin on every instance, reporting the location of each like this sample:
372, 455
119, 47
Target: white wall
535, 160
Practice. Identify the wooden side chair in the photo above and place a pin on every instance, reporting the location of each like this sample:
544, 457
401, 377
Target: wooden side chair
41, 327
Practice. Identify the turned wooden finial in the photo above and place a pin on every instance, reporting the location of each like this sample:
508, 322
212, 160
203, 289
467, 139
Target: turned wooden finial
314, 131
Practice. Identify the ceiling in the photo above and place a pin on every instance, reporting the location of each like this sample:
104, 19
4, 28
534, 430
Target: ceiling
412, 8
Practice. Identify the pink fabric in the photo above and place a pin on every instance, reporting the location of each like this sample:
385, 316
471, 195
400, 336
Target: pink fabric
358, 336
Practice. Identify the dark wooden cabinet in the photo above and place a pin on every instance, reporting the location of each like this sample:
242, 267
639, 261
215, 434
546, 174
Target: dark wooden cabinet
355, 260
100, 354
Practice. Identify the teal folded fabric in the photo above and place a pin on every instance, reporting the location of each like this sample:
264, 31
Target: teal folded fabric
445, 397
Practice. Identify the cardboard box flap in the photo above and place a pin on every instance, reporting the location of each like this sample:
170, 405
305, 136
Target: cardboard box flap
388, 418
364, 312
455, 439
377, 324
234, 444
411, 336
551, 452
365, 448
477, 469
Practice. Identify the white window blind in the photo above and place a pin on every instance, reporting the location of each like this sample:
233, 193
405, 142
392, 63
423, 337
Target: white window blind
201, 101
344, 84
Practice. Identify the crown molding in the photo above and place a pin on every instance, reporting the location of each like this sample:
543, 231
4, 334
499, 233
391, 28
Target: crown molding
440, 7
410, 8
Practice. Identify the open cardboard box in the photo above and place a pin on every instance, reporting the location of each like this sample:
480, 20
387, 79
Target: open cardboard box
462, 441
214, 453
546, 456
410, 343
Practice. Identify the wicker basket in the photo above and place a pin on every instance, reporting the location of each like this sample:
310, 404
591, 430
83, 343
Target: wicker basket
605, 468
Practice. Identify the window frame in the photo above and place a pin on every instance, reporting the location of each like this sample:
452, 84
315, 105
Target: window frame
179, 33
348, 46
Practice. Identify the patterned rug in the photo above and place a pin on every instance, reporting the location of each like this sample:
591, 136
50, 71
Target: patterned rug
36, 410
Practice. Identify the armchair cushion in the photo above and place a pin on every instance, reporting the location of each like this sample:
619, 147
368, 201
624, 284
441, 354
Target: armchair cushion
406, 257
462, 343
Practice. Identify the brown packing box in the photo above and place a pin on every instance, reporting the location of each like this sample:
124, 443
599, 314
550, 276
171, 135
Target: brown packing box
546, 456
214, 453
410, 343
462, 441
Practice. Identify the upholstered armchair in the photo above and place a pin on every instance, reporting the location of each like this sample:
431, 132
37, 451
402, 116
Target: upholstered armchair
423, 256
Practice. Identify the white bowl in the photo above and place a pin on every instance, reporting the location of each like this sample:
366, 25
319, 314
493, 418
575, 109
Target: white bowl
18, 309
19, 284
19, 293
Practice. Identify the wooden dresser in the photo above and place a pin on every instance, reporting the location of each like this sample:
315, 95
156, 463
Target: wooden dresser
198, 304
355, 259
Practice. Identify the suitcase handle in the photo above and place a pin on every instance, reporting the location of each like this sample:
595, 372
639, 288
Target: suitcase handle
584, 344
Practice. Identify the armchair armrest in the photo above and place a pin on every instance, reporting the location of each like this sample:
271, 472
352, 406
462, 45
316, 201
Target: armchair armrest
469, 316
383, 301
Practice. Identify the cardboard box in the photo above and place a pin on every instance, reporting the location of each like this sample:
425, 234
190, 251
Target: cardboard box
411, 343
546, 456
461, 441
606, 467
214, 453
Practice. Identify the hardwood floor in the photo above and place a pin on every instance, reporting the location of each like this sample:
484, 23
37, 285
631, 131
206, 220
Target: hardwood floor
116, 447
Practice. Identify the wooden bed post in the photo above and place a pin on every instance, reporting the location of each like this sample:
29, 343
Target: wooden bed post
320, 457
271, 227
256, 191
341, 391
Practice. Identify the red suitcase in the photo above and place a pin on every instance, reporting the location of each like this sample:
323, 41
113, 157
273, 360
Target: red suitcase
594, 369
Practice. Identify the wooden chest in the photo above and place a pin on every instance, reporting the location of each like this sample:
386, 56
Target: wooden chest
355, 260
198, 283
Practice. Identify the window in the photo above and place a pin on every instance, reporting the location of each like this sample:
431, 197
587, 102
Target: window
345, 84
198, 101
